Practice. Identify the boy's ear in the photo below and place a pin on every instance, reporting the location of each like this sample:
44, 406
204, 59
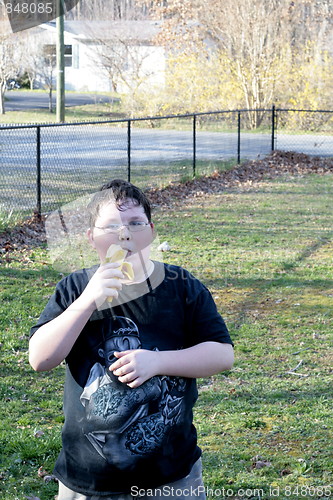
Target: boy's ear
90, 237
152, 225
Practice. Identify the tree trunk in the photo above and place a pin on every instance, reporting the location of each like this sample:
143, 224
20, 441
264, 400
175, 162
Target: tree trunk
2, 99
50, 100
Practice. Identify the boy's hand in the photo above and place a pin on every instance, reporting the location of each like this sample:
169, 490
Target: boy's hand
135, 366
104, 283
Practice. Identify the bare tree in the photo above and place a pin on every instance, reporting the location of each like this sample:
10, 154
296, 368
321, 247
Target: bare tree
10, 64
39, 63
125, 64
33, 57
256, 46
109, 10
46, 67
260, 38
125, 53
251, 33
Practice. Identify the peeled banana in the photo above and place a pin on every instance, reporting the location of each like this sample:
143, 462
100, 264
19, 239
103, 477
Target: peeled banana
117, 254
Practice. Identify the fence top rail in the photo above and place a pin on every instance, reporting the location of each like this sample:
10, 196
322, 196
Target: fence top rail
167, 117
305, 110
126, 120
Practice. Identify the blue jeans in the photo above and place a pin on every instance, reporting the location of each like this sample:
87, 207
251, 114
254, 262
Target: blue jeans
190, 487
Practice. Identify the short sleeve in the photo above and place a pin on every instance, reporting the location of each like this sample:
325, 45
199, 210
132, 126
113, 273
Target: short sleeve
203, 319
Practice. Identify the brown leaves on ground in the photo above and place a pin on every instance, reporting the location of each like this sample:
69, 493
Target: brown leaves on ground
31, 233
249, 172
259, 462
46, 476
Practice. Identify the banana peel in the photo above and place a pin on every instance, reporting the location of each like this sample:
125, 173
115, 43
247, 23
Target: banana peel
117, 254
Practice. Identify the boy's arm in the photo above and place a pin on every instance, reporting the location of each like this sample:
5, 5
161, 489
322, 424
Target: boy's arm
52, 342
202, 360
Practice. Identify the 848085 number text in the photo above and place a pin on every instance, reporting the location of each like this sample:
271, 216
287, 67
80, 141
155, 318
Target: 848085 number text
27, 7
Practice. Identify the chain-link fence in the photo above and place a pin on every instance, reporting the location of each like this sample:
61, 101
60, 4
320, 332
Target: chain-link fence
44, 166
305, 131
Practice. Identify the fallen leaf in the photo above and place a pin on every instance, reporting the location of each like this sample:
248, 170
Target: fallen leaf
49, 478
38, 434
259, 462
42, 472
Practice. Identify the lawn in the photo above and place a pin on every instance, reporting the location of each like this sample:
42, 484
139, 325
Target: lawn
265, 251
87, 112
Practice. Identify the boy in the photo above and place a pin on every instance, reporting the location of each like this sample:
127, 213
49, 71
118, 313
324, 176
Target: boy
133, 349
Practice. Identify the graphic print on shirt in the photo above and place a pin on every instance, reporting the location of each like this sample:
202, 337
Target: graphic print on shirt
124, 424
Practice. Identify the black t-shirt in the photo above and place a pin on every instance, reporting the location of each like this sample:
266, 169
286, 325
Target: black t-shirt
115, 437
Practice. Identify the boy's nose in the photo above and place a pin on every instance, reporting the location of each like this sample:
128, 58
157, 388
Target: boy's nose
124, 233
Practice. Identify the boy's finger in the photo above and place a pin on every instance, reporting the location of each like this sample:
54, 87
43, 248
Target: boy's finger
120, 354
111, 265
120, 362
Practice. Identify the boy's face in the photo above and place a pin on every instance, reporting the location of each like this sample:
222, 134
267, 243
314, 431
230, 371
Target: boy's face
137, 244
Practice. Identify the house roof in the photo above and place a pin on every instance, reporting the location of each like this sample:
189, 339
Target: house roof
136, 31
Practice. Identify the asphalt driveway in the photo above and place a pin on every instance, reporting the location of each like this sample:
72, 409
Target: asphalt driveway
24, 100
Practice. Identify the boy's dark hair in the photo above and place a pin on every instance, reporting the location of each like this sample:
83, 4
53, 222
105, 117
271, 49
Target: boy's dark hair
117, 191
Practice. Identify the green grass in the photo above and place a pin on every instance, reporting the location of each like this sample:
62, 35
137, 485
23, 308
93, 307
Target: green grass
265, 252
9, 219
87, 112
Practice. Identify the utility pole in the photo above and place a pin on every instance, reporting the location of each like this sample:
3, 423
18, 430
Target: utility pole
60, 62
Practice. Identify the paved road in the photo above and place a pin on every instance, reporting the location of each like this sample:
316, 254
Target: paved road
107, 145
24, 100
102, 146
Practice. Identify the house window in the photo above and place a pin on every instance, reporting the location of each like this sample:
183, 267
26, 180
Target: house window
68, 56
50, 57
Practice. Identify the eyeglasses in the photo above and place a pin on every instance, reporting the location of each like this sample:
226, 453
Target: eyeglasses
134, 227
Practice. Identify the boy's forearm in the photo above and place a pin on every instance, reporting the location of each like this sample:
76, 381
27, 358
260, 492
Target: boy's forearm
52, 342
201, 360
134, 367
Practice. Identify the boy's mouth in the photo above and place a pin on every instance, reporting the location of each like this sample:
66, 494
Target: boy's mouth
130, 251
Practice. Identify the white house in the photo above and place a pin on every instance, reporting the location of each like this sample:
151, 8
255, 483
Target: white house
100, 55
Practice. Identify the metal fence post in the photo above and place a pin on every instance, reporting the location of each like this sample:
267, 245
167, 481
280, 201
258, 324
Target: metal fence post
194, 144
38, 178
238, 137
273, 127
129, 150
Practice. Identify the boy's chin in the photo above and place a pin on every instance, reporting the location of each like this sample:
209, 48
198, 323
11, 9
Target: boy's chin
137, 258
